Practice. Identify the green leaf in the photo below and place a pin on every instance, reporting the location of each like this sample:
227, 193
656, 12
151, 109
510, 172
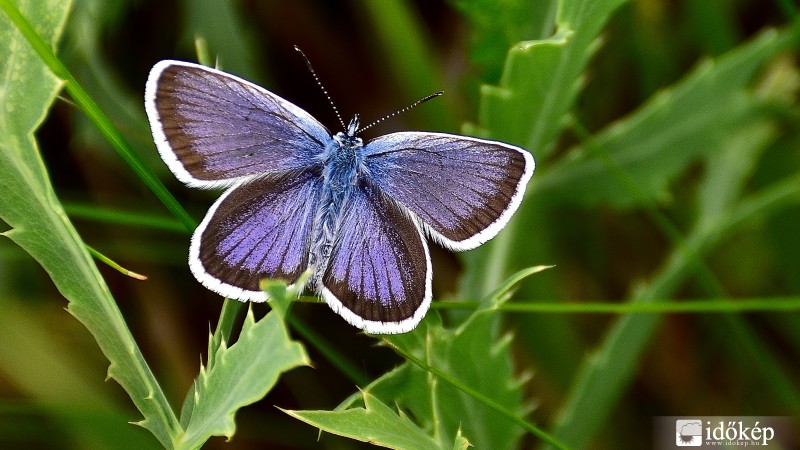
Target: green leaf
241, 374
609, 369
60, 380
506, 290
473, 355
476, 355
37, 220
660, 140
461, 442
280, 295
375, 423
529, 107
726, 172
495, 25
542, 78
630, 163
604, 375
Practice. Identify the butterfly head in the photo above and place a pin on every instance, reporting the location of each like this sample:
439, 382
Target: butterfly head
349, 138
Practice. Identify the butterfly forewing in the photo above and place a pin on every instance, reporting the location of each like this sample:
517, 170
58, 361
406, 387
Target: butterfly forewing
213, 128
464, 189
378, 275
258, 229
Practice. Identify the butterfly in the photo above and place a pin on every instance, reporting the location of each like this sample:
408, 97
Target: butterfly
299, 197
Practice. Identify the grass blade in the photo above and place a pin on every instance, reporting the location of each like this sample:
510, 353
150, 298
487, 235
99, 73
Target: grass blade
97, 116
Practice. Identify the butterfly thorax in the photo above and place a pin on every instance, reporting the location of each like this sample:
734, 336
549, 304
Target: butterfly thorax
342, 167
343, 161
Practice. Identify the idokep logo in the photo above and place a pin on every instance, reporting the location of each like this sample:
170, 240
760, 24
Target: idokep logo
733, 432
689, 433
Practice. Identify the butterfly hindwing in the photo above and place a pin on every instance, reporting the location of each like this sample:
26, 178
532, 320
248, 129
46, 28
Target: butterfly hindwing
464, 189
378, 275
212, 128
257, 229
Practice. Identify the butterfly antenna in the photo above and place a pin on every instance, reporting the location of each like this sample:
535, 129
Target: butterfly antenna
400, 111
319, 83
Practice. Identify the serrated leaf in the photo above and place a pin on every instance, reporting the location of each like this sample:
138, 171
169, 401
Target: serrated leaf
375, 423
529, 107
37, 220
475, 355
541, 78
242, 374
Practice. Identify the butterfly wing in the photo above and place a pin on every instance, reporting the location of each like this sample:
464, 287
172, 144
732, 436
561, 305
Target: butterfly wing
257, 229
378, 275
213, 129
464, 189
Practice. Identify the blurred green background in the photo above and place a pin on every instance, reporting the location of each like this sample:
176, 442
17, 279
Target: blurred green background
668, 170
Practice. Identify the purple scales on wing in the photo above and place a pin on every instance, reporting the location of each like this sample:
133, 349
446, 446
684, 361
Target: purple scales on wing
213, 128
379, 270
260, 229
464, 189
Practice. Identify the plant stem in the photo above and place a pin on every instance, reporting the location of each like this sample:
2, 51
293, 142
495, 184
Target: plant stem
109, 262
657, 307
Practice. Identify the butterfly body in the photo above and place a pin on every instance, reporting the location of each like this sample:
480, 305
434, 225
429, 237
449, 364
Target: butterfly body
297, 196
342, 168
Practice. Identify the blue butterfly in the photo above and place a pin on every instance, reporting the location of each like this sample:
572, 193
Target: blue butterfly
300, 197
